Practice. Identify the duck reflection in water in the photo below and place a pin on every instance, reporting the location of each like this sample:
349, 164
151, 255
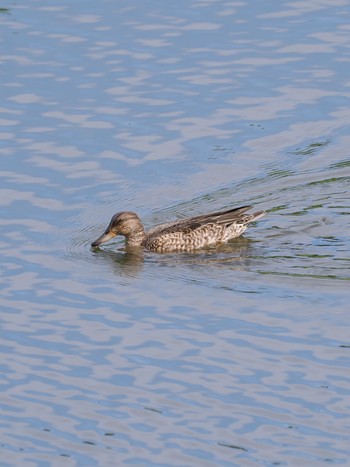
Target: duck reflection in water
130, 261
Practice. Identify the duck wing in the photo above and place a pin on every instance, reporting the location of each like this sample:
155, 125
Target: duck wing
220, 217
228, 217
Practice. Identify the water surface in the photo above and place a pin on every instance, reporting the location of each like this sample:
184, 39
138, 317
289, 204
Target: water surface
233, 356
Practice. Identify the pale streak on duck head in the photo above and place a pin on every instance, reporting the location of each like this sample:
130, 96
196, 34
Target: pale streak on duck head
125, 223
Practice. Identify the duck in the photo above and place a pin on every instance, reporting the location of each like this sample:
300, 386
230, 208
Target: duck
184, 235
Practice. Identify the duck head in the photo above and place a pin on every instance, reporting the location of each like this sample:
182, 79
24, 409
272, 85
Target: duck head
123, 223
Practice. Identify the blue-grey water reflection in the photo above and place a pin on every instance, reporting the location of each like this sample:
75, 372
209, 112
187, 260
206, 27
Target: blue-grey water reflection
237, 355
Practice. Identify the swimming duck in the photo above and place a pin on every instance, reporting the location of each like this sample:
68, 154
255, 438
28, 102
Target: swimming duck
183, 235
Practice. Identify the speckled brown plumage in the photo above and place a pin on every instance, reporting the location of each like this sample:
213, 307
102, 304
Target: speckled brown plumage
183, 235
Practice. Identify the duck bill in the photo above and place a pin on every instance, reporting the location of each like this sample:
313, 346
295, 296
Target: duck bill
104, 238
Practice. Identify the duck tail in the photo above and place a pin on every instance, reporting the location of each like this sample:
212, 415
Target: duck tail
254, 216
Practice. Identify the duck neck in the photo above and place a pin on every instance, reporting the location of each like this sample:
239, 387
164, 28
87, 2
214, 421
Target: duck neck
136, 238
